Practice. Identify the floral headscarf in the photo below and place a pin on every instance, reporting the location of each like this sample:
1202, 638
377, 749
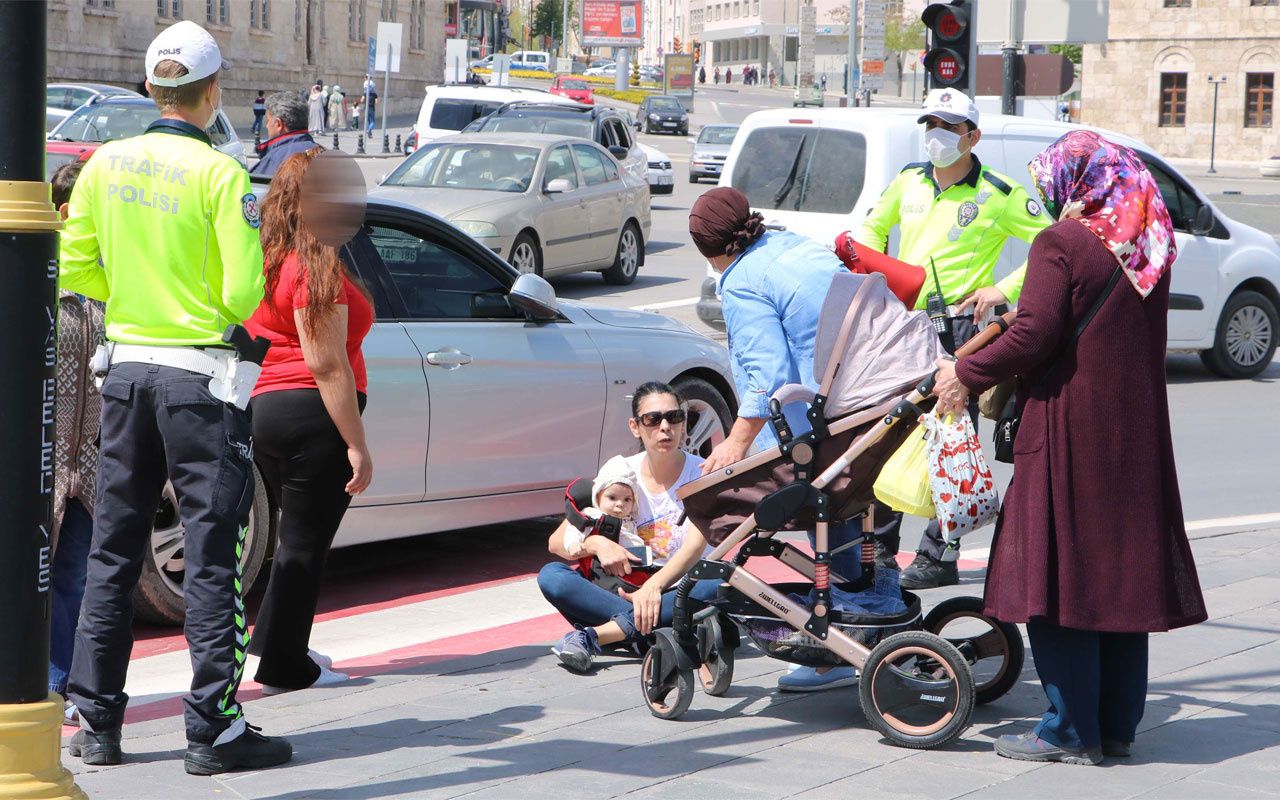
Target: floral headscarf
1110, 191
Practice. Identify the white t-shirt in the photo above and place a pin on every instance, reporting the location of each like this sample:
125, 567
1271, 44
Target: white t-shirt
657, 516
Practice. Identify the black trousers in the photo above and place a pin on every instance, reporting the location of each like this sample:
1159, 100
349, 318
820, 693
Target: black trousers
889, 522
1096, 683
303, 459
153, 416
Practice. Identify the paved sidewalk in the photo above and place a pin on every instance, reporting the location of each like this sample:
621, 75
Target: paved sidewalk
511, 723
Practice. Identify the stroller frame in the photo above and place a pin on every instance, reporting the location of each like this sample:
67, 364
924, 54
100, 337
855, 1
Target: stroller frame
705, 645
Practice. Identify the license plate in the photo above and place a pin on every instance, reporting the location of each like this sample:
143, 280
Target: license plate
668, 124
664, 181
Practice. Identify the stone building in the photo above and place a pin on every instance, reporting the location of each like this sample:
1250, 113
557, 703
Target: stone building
1151, 79
271, 45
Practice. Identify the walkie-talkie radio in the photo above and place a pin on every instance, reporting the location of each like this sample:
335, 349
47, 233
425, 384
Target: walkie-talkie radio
936, 305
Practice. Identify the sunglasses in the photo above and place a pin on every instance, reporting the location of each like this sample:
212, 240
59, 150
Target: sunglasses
653, 419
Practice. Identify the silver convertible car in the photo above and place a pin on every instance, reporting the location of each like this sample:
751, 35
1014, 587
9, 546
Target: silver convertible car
549, 203
487, 395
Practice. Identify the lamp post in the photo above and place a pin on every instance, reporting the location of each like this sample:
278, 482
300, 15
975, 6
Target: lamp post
1213, 131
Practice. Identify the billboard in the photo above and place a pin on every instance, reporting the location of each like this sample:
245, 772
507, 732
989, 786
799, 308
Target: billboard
677, 79
612, 23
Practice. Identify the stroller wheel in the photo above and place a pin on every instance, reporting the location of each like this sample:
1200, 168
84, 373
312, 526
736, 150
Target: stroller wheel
917, 690
668, 690
716, 672
993, 649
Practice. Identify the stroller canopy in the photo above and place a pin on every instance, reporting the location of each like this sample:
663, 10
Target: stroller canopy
869, 345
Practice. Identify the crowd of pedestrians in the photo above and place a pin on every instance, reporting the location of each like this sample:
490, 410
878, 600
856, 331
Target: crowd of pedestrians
330, 109
165, 399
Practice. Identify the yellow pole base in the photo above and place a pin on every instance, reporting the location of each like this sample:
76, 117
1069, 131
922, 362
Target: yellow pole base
30, 753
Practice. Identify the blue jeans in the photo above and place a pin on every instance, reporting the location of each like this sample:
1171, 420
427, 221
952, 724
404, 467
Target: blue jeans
372, 118
586, 605
70, 562
257, 122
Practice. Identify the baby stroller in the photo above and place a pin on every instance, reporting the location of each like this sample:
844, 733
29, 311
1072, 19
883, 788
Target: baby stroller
874, 360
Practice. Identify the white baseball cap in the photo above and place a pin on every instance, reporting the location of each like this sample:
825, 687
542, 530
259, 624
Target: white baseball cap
191, 46
950, 105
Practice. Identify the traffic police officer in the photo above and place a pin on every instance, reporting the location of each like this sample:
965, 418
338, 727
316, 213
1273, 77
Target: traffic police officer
954, 216
175, 224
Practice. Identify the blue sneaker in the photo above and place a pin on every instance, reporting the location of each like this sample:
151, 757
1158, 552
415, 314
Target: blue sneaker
1029, 747
808, 679
577, 648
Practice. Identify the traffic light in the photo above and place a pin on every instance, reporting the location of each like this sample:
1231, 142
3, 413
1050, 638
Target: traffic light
949, 61
675, 45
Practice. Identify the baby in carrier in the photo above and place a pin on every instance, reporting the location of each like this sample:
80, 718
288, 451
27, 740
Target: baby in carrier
608, 511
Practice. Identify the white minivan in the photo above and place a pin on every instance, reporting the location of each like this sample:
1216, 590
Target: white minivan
449, 107
531, 59
818, 172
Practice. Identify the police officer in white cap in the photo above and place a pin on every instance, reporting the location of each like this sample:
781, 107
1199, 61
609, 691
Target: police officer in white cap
164, 229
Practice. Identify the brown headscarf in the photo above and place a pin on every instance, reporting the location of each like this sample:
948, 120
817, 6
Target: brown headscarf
722, 223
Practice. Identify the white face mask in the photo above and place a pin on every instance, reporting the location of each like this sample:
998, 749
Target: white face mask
213, 117
943, 146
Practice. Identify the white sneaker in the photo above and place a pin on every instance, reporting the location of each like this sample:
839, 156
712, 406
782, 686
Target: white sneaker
322, 661
327, 678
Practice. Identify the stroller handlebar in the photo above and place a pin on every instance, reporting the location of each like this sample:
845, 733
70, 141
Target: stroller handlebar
998, 326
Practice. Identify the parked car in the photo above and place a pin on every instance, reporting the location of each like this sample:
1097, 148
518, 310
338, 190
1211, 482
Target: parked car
487, 395
659, 174
482, 63
710, 150
539, 60
576, 89
448, 108
1226, 282
607, 70
120, 117
601, 124
812, 96
1269, 167
651, 74
552, 204
60, 99
662, 113
601, 62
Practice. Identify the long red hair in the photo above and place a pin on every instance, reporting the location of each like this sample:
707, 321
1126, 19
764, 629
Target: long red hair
283, 233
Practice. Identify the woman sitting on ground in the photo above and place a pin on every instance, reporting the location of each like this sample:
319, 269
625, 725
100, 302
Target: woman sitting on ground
602, 616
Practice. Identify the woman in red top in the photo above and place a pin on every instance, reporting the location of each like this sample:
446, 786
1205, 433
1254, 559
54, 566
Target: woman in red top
308, 438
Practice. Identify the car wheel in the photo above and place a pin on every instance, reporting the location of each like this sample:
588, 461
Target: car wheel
709, 417
693, 178
627, 261
1246, 339
525, 255
158, 596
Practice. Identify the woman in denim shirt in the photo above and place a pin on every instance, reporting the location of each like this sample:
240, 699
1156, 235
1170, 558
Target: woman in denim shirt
772, 287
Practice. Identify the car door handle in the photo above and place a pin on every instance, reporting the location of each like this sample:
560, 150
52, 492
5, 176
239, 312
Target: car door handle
448, 358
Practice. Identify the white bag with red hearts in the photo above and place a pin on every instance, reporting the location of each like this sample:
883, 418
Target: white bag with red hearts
964, 493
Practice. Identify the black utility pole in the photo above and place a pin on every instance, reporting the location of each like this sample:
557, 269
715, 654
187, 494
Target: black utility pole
1213, 131
1009, 67
29, 714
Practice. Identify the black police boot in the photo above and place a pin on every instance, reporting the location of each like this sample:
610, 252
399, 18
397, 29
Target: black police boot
885, 558
240, 746
96, 749
927, 572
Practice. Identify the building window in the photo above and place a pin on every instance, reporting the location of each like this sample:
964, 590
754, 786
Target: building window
1173, 99
382, 13
351, 20
422, 25
1257, 99
1177, 3
260, 14
297, 19
1264, 2
756, 8
253, 13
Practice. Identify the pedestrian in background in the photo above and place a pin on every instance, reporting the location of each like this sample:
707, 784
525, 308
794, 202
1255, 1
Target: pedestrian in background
308, 437
371, 92
259, 111
337, 109
702, 75
728, 75
80, 331
1091, 549
287, 128
175, 273
954, 216
824, 81
327, 96
773, 79
316, 110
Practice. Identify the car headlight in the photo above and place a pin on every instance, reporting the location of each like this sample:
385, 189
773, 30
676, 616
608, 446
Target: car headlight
684, 117
653, 116
477, 228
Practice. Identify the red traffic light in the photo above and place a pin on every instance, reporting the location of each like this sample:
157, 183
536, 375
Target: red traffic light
948, 22
946, 66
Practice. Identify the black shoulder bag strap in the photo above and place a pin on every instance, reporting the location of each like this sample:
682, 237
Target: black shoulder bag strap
1007, 426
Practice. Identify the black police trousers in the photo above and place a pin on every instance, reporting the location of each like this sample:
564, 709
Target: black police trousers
889, 522
153, 416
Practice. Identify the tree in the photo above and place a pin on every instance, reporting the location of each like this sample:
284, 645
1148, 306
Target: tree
903, 34
548, 18
1071, 51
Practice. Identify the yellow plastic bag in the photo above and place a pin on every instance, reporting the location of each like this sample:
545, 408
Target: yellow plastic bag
903, 483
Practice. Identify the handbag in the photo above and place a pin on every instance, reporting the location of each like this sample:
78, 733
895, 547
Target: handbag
1007, 426
964, 493
903, 482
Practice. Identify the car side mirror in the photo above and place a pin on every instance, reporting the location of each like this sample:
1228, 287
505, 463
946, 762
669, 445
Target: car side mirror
618, 152
382, 177
692, 140
557, 186
534, 297
1204, 220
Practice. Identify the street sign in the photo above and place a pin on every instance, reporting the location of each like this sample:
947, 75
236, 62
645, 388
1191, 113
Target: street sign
389, 38
873, 27
874, 9
1045, 21
371, 67
873, 49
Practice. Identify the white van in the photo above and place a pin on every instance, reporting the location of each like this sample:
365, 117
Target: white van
1226, 280
448, 108
531, 59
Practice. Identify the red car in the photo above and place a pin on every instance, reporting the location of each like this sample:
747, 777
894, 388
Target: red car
575, 89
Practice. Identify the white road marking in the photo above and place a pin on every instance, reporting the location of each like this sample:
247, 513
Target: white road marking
1228, 522
688, 301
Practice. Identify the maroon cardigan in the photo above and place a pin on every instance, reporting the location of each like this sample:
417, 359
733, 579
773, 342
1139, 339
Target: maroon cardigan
1091, 534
